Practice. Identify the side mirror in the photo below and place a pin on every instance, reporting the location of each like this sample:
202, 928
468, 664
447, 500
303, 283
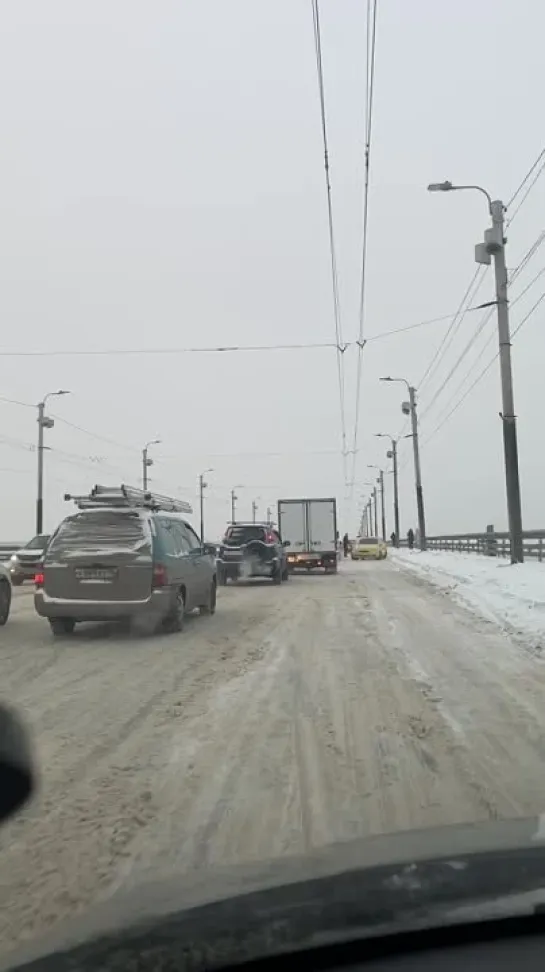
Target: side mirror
286, 543
17, 779
209, 549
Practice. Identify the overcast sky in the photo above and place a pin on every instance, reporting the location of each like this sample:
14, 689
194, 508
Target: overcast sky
162, 187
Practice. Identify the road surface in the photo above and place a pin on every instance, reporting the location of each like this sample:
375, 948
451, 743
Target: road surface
329, 708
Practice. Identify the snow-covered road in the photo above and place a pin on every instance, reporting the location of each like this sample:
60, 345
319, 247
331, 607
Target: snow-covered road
329, 708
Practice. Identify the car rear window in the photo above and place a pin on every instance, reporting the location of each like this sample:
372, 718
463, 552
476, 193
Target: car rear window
368, 541
236, 535
101, 530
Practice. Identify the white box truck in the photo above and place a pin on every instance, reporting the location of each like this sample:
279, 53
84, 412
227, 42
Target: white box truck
308, 527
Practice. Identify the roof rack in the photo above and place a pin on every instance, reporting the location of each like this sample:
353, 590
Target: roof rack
128, 497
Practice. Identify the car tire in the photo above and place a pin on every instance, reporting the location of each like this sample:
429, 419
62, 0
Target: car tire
210, 606
286, 574
174, 622
277, 577
5, 601
222, 578
60, 627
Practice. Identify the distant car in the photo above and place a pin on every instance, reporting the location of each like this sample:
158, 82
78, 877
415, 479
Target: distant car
125, 556
24, 563
252, 550
5, 593
368, 548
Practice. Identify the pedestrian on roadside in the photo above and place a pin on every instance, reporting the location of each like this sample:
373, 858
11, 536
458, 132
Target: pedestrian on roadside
345, 545
393, 539
410, 538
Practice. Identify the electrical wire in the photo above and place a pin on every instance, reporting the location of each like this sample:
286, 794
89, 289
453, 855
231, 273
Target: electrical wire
332, 248
540, 158
485, 347
485, 370
371, 33
487, 317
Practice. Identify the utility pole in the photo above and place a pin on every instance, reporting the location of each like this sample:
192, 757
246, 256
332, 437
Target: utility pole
234, 498
382, 510
376, 510
254, 510
269, 514
147, 462
43, 423
409, 408
494, 245
202, 486
368, 518
392, 454
417, 471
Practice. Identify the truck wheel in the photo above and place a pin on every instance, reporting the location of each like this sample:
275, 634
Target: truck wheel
286, 574
277, 577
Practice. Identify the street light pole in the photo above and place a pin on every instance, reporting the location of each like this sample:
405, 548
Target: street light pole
254, 510
392, 454
147, 462
494, 245
234, 498
202, 487
376, 510
43, 423
409, 408
382, 508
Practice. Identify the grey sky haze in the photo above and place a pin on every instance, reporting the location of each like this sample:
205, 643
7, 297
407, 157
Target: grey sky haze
163, 187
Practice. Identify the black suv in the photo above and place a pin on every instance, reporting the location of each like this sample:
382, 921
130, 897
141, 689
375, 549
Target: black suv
252, 550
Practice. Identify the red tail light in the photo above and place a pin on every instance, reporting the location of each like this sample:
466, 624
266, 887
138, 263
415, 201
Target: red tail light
159, 576
39, 580
269, 538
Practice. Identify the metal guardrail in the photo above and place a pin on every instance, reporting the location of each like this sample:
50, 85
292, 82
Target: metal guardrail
489, 543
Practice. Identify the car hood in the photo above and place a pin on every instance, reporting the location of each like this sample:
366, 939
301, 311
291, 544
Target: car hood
354, 889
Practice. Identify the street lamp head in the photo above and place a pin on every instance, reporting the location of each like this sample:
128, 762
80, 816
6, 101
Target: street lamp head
440, 186
387, 378
62, 391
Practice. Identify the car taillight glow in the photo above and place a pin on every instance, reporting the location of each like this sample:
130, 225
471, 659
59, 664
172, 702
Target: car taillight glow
159, 576
39, 580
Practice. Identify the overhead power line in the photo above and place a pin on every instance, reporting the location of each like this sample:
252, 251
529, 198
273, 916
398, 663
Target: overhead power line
332, 249
371, 34
485, 370
485, 320
531, 170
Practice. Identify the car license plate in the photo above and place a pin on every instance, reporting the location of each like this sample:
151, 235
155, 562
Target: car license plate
104, 575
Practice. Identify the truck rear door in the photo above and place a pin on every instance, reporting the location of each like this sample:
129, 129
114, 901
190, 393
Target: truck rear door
322, 525
292, 525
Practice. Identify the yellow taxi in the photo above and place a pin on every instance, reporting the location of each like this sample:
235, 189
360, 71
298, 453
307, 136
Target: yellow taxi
368, 548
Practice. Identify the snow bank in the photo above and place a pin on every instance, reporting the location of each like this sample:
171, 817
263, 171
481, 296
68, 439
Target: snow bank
510, 594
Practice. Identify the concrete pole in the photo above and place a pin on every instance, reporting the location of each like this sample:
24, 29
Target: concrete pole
382, 509
254, 510
202, 486
145, 468
396, 492
40, 494
417, 472
233, 505
509, 420
375, 502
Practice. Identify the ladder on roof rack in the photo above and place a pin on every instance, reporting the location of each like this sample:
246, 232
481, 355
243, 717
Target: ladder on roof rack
126, 497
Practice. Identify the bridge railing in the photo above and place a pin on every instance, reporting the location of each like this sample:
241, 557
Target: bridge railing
490, 543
